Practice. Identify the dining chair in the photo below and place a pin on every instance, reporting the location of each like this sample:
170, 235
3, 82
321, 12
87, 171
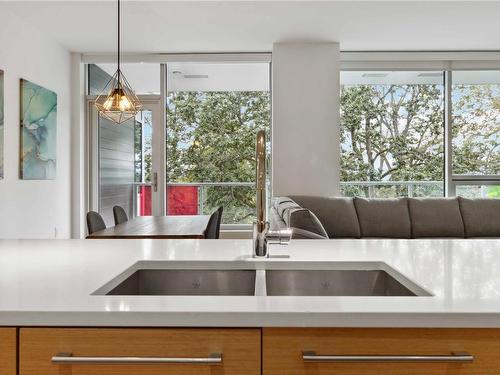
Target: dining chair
95, 222
211, 231
219, 220
119, 215
213, 226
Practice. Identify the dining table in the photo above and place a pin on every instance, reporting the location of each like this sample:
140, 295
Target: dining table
157, 227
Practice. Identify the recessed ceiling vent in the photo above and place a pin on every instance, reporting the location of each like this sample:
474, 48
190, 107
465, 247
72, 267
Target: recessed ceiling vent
374, 75
191, 76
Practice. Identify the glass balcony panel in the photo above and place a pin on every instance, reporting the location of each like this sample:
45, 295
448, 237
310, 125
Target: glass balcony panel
478, 191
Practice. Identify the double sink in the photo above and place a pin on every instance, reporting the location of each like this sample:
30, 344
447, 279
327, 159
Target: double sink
366, 279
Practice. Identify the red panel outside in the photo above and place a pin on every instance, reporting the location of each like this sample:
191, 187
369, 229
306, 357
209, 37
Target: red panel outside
145, 201
182, 200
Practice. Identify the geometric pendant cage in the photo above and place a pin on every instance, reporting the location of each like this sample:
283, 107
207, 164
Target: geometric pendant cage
120, 103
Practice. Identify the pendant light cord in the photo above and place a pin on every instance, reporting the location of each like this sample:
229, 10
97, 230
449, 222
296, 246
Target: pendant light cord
119, 72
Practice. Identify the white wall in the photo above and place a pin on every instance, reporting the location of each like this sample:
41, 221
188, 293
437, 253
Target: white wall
306, 95
33, 209
78, 154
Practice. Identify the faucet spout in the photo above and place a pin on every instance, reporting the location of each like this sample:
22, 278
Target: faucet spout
260, 180
262, 236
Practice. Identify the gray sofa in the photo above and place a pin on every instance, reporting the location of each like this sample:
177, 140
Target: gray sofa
321, 217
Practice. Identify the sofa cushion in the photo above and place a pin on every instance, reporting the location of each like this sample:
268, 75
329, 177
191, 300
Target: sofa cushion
383, 217
337, 215
435, 217
481, 217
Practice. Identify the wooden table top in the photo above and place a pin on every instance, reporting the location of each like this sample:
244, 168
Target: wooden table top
185, 226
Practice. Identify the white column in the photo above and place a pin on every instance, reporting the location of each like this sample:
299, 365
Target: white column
305, 138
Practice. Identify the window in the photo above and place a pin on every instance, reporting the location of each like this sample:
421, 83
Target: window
195, 156
476, 122
214, 111
392, 133
122, 171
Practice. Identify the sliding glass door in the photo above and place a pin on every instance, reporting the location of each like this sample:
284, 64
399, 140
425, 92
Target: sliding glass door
123, 164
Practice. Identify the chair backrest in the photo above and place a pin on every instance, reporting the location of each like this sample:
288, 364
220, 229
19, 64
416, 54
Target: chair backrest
95, 222
119, 214
211, 231
219, 220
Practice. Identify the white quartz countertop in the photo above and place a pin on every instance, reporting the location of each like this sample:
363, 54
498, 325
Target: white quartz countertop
50, 283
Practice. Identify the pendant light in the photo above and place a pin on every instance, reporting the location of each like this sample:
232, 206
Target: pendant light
118, 102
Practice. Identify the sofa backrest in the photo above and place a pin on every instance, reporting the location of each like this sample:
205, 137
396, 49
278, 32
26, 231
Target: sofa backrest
387, 218
435, 217
481, 217
397, 218
337, 215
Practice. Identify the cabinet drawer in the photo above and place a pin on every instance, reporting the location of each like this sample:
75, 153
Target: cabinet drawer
8, 351
357, 351
110, 351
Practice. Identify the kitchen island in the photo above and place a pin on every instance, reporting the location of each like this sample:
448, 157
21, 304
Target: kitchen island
51, 283
451, 318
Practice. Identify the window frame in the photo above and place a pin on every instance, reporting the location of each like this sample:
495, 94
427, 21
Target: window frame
447, 62
163, 60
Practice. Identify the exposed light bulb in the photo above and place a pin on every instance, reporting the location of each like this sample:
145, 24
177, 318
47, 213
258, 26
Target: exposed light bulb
124, 103
108, 103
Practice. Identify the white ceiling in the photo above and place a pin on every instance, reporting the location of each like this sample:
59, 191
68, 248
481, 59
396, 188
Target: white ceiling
208, 26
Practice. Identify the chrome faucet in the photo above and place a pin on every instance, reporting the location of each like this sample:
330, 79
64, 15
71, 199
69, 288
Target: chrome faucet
262, 236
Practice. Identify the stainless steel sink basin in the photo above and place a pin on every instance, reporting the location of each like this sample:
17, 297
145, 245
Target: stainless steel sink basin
163, 278
187, 282
333, 283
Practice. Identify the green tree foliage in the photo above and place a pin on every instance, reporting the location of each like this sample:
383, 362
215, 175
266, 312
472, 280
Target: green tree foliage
476, 129
391, 133
396, 133
211, 138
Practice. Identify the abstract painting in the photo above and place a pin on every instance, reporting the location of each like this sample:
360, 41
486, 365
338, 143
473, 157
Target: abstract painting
38, 132
1, 123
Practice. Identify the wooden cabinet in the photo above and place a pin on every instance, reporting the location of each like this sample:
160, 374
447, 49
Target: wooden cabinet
283, 351
212, 351
8, 347
110, 351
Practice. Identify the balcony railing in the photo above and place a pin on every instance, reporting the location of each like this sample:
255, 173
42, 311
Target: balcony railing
388, 189
196, 198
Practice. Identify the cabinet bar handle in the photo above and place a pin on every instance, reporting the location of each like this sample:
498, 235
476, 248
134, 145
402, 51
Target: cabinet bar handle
67, 358
309, 356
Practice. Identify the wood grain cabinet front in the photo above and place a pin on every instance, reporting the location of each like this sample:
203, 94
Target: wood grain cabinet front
8, 348
360, 351
110, 351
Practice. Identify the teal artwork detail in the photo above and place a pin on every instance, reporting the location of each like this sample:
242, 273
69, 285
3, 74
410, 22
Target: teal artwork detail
1, 123
38, 132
